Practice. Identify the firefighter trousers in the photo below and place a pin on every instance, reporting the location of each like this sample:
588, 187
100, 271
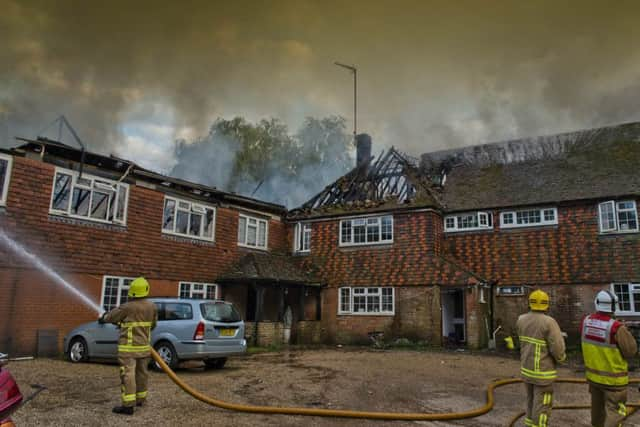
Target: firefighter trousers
608, 406
133, 379
539, 402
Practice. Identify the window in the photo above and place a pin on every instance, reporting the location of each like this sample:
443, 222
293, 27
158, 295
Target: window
5, 175
89, 197
628, 297
188, 219
302, 237
366, 231
529, 218
115, 291
468, 222
176, 311
618, 217
510, 290
198, 290
366, 301
252, 232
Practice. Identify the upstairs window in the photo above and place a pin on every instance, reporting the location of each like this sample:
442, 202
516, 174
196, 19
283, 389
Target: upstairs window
529, 218
468, 222
302, 237
252, 232
5, 174
366, 231
184, 218
89, 197
198, 290
115, 291
366, 301
628, 297
618, 217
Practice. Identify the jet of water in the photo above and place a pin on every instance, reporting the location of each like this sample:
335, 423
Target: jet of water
37, 262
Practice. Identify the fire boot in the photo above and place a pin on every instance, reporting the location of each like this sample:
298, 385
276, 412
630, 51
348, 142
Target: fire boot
124, 410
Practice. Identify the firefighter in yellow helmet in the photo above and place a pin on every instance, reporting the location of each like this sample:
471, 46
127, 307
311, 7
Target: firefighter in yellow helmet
135, 319
606, 343
541, 349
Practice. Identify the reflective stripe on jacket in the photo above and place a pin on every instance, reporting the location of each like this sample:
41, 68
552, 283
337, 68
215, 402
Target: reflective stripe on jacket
135, 319
604, 363
541, 347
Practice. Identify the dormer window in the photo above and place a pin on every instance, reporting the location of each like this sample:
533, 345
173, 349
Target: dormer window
618, 217
468, 222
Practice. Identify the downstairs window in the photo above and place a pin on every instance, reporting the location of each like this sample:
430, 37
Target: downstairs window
198, 290
366, 301
628, 298
115, 291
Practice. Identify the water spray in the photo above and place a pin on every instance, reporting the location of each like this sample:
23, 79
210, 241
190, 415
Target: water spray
40, 265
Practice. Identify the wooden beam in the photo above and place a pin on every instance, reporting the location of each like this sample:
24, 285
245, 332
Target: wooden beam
301, 302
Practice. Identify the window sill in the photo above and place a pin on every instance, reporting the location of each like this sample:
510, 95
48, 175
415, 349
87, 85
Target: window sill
385, 245
367, 314
618, 233
86, 223
471, 230
190, 240
301, 253
253, 248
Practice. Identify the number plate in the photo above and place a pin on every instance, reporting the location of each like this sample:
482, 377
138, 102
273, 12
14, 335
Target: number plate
227, 332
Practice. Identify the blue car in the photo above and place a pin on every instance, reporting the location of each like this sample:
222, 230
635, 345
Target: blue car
187, 329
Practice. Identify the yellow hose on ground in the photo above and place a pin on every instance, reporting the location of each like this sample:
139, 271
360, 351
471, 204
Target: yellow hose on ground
342, 413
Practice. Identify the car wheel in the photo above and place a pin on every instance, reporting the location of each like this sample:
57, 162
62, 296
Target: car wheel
78, 350
167, 353
215, 363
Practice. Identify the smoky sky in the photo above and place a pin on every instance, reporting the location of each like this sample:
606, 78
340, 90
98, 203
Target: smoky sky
133, 76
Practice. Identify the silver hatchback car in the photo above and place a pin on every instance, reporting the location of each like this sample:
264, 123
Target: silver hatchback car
188, 329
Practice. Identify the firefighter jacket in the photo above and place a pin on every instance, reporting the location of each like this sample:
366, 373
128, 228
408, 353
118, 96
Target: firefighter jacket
606, 343
541, 347
135, 319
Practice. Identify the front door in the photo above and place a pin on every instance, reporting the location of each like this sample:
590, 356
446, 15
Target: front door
453, 319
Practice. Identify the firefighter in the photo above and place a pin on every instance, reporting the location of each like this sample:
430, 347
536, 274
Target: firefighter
606, 343
135, 319
541, 349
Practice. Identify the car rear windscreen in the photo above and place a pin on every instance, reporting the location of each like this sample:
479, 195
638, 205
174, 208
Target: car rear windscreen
219, 312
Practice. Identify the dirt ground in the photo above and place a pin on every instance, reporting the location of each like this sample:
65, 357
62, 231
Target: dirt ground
336, 378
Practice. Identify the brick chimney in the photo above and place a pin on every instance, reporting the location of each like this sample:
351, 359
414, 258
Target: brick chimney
363, 149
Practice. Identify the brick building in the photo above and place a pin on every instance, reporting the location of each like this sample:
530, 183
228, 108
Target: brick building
442, 249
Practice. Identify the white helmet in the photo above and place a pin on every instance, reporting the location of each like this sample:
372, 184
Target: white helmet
606, 302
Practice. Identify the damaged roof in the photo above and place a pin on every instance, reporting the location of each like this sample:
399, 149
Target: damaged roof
392, 181
270, 268
588, 164
57, 153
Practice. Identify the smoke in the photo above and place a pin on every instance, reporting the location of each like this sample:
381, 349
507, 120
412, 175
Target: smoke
134, 76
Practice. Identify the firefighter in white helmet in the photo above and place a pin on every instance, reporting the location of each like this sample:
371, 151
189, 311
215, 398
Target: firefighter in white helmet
135, 319
541, 349
606, 343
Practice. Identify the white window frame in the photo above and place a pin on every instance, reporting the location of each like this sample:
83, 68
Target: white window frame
302, 244
632, 289
121, 286
541, 212
257, 221
480, 216
616, 210
366, 220
366, 291
4, 191
192, 207
510, 291
74, 178
203, 292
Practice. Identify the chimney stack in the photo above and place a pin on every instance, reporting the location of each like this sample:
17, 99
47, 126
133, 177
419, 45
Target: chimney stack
363, 149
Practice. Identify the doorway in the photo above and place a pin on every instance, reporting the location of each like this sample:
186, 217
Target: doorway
453, 320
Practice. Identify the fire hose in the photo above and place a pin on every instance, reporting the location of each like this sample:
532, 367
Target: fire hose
342, 413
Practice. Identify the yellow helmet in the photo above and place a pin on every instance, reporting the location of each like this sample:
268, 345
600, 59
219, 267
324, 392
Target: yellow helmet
539, 300
139, 288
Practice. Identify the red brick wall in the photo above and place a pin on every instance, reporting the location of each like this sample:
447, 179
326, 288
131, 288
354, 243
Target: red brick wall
88, 251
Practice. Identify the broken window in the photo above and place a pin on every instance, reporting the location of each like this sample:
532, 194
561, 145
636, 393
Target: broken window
89, 197
302, 237
252, 232
361, 300
529, 217
184, 218
198, 290
5, 174
366, 231
115, 291
468, 222
621, 217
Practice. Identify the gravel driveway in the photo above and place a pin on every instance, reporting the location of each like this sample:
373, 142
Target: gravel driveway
345, 378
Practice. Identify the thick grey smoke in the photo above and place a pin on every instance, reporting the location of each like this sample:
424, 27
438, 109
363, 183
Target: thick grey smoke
134, 76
